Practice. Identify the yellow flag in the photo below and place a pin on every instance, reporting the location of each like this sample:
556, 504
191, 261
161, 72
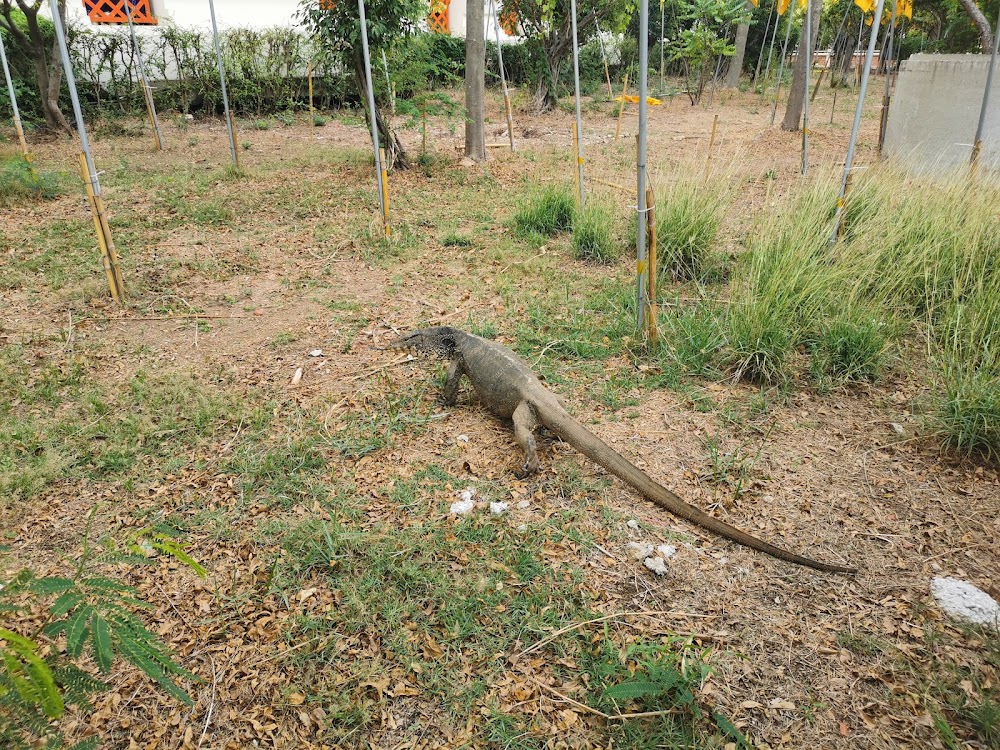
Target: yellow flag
755, 3
904, 8
865, 5
782, 6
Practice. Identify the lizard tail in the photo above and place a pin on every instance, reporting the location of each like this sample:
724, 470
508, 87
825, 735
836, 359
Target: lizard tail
601, 453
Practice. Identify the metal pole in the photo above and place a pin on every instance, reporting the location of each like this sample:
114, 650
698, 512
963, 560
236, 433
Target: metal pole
781, 68
503, 75
662, 37
93, 184
225, 93
805, 94
978, 141
760, 57
371, 106
147, 92
13, 103
641, 259
849, 162
579, 117
888, 77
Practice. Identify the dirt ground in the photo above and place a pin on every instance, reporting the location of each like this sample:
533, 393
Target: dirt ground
802, 660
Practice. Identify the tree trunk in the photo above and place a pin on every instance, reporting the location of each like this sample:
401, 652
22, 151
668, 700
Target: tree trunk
546, 95
395, 154
50, 96
982, 25
800, 75
475, 82
732, 79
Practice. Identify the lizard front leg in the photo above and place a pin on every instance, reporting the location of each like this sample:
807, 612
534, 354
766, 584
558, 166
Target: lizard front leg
450, 392
525, 423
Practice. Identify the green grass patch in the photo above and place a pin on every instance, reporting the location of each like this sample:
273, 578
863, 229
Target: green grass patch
546, 212
688, 217
593, 235
20, 184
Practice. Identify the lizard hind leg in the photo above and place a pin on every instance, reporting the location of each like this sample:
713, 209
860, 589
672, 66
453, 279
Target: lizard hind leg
525, 423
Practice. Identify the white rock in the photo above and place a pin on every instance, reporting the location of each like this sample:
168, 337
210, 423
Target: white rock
498, 509
467, 494
522, 528
462, 438
966, 602
667, 550
462, 507
656, 564
316, 353
524, 505
897, 428
632, 524
637, 551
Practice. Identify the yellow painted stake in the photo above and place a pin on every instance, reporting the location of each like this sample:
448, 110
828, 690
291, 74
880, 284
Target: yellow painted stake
147, 96
711, 143
576, 159
621, 109
312, 109
818, 82
607, 77
236, 140
651, 277
385, 193
510, 117
109, 255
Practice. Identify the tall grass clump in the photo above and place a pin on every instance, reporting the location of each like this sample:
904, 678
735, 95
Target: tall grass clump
688, 217
693, 339
593, 235
780, 289
546, 212
19, 185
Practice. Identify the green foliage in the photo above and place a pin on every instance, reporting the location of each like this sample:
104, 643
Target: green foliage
84, 615
698, 46
852, 347
20, 184
593, 235
688, 216
692, 339
547, 212
22, 70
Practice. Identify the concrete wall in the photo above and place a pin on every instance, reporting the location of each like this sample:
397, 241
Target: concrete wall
935, 110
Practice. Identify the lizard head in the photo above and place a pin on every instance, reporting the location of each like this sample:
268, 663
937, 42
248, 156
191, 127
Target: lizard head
440, 341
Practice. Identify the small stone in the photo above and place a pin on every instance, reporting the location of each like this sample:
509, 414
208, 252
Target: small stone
462, 439
467, 494
632, 524
498, 509
462, 507
637, 551
964, 601
316, 353
897, 428
522, 528
524, 505
656, 564
667, 550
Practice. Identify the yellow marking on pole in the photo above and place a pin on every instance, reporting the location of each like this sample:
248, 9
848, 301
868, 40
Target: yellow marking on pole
651, 253
109, 256
640, 267
576, 172
384, 184
621, 109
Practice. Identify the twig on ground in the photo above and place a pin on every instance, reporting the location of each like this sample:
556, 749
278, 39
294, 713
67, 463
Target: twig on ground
211, 704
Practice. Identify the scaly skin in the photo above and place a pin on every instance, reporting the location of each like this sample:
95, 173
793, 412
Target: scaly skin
511, 390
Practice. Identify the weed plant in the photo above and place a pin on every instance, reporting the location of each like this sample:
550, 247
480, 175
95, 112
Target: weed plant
688, 216
18, 184
593, 235
547, 212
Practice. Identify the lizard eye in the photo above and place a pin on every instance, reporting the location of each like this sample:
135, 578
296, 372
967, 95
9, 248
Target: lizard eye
448, 341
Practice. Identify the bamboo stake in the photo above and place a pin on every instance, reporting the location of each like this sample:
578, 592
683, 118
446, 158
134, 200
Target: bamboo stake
88, 171
147, 91
17, 114
312, 109
833, 108
604, 56
503, 80
384, 185
651, 279
711, 143
884, 119
109, 256
235, 139
621, 108
423, 131
822, 72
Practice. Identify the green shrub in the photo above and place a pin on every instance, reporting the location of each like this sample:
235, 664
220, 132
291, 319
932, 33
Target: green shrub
693, 339
547, 212
593, 235
852, 347
18, 184
760, 340
688, 216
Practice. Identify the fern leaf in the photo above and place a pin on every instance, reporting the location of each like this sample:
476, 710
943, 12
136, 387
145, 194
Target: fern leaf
51, 585
101, 638
633, 690
133, 652
76, 630
168, 546
65, 603
30, 676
